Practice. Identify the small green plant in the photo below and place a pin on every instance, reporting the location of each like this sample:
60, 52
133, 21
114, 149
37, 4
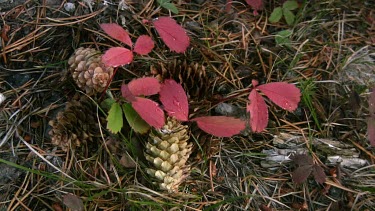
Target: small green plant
286, 11
308, 88
142, 113
283, 37
166, 4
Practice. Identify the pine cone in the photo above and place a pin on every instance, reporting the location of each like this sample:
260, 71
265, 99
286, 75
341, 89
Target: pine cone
89, 73
207, 146
192, 76
168, 150
75, 125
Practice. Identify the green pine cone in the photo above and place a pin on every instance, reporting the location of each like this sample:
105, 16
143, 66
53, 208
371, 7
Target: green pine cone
168, 150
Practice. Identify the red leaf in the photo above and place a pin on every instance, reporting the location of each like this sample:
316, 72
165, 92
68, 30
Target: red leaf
371, 130
144, 86
143, 45
256, 5
301, 173
174, 100
254, 83
149, 111
221, 126
126, 93
173, 35
117, 56
371, 102
258, 112
371, 119
285, 95
228, 6
117, 32
319, 175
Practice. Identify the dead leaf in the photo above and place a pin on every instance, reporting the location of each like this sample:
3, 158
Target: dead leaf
35, 124
301, 173
73, 202
265, 208
213, 169
4, 32
127, 161
302, 159
306, 166
57, 207
318, 173
27, 138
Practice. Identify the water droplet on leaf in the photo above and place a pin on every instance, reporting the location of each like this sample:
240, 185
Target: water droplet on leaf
176, 103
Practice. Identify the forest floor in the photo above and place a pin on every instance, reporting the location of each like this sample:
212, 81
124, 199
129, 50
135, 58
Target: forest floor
327, 51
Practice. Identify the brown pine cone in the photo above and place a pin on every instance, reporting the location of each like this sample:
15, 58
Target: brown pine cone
75, 125
89, 73
167, 150
207, 146
192, 76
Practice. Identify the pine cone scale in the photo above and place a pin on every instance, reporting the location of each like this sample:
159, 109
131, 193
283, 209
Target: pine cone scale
192, 76
88, 72
168, 152
74, 125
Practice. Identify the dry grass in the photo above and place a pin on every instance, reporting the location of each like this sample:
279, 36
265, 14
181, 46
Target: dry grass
234, 47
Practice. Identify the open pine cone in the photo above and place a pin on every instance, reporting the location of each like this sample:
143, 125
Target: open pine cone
75, 125
192, 76
168, 150
89, 73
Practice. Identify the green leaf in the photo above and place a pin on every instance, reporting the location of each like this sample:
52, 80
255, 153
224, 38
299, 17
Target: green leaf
114, 118
290, 5
166, 4
161, 2
276, 15
171, 7
282, 37
107, 103
135, 121
289, 16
